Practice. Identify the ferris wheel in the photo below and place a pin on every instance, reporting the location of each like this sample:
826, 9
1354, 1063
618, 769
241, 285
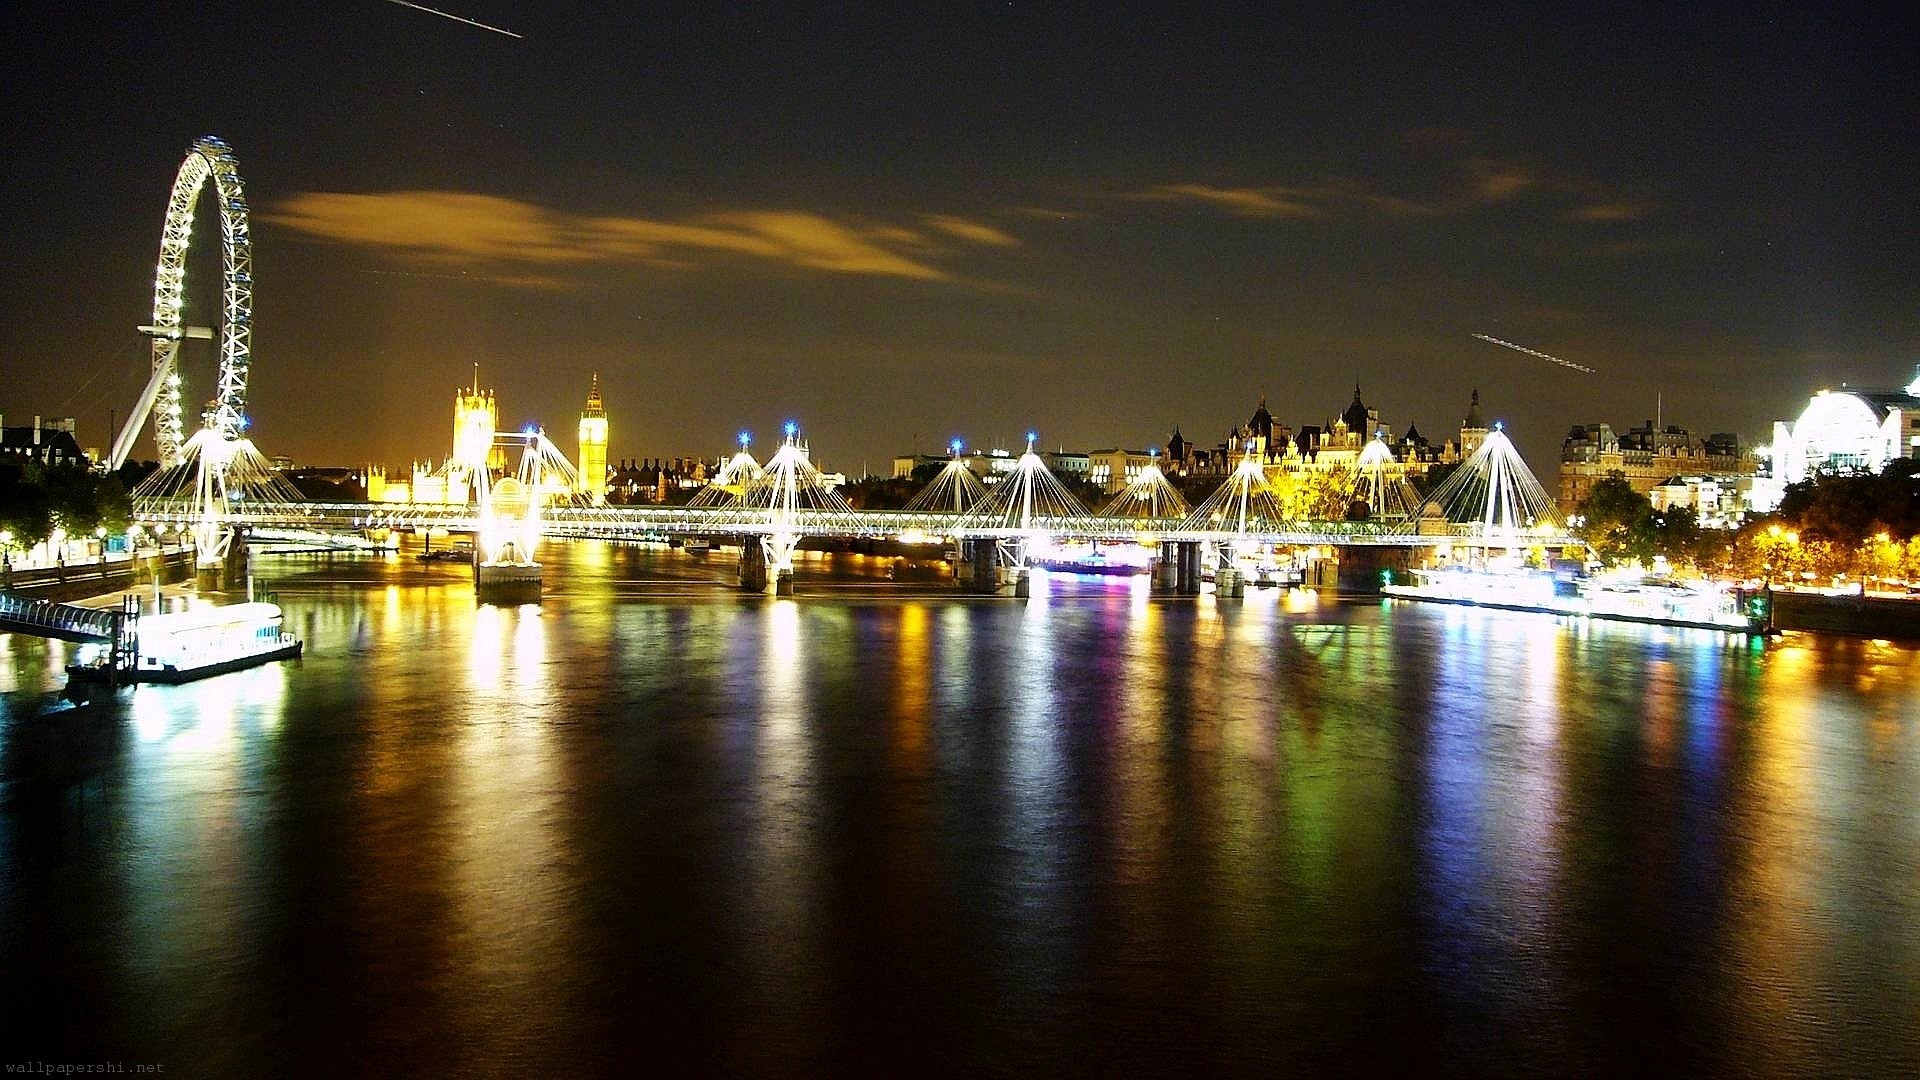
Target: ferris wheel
210, 159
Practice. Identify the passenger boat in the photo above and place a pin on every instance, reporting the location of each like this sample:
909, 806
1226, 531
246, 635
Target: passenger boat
1092, 562
1654, 601
181, 646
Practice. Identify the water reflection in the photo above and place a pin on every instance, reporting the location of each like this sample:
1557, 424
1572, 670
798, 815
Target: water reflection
860, 832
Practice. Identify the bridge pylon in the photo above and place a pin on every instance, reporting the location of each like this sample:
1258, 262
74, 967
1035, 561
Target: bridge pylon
789, 500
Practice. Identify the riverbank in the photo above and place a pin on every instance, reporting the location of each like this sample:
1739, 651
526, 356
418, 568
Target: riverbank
1892, 617
79, 581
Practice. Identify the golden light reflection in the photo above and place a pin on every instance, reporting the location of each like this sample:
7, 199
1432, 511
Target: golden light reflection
508, 863
1780, 881
484, 647
913, 680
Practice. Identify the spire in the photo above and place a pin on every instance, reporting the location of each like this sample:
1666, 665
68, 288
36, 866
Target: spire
594, 402
1475, 419
1356, 417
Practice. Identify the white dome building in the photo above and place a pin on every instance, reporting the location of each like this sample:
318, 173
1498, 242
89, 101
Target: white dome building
1848, 429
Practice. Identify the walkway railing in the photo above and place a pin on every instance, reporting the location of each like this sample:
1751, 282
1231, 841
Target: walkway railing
44, 618
640, 522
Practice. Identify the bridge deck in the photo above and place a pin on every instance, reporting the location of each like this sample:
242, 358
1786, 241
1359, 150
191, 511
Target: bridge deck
640, 522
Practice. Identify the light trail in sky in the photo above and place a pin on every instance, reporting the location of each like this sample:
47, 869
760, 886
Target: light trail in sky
1536, 352
455, 18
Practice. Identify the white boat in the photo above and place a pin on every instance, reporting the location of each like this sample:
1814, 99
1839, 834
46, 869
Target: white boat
180, 646
1662, 603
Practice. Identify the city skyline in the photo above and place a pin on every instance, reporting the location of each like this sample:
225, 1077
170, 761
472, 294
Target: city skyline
899, 230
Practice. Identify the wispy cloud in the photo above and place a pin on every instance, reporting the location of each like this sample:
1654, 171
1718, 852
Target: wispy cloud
1051, 213
1260, 202
1456, 183
1491, 180
975, 231
504, 238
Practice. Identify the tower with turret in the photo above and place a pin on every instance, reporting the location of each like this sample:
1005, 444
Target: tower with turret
1473, 429
593, 446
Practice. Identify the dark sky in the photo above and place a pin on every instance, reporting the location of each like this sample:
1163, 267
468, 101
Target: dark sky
1099, 222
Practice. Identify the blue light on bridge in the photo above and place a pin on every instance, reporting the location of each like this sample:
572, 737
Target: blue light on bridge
746, 437
792, 429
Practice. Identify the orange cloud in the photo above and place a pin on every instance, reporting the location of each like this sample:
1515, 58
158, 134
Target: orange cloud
1468, 185
819, 243
460, 229
1264, 202
972, 230
438, 224
1492, 181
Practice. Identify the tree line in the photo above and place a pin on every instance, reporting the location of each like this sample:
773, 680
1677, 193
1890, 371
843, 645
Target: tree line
36, 499
1861, 525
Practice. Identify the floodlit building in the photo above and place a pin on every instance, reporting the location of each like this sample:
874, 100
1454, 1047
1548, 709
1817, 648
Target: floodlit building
1651, 456
1717, 502
593, 446
1848, 429
1116, 468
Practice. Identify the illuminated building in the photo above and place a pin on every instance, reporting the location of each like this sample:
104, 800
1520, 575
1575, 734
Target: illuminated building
593, 446
455, 481
475, 419
1650, 457
1116, 469
1848, 429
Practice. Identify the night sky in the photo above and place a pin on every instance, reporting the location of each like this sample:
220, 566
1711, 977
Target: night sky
1098, 222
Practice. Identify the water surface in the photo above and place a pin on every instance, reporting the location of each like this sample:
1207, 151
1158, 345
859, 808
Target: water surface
651, 823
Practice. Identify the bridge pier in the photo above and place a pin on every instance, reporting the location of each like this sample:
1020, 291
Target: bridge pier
227, 572
979, 571
506, 583
1188, 578
1166, 569
1361, 569
753, 566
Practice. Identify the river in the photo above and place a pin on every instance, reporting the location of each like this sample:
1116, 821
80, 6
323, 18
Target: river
652, 824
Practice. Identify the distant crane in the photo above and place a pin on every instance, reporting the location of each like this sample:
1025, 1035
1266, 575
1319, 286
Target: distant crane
1536, 352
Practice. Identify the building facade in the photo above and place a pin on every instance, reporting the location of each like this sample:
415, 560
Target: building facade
1848, 429
1650, 456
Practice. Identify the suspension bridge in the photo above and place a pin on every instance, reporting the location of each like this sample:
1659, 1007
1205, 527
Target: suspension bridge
215, 484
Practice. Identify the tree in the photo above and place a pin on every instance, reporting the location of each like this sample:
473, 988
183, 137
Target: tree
25, 510
1616, 521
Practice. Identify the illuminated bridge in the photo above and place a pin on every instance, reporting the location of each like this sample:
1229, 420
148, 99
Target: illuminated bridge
216, 484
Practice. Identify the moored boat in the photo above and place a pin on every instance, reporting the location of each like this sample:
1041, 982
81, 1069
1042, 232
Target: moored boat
1657, 602
181, 646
